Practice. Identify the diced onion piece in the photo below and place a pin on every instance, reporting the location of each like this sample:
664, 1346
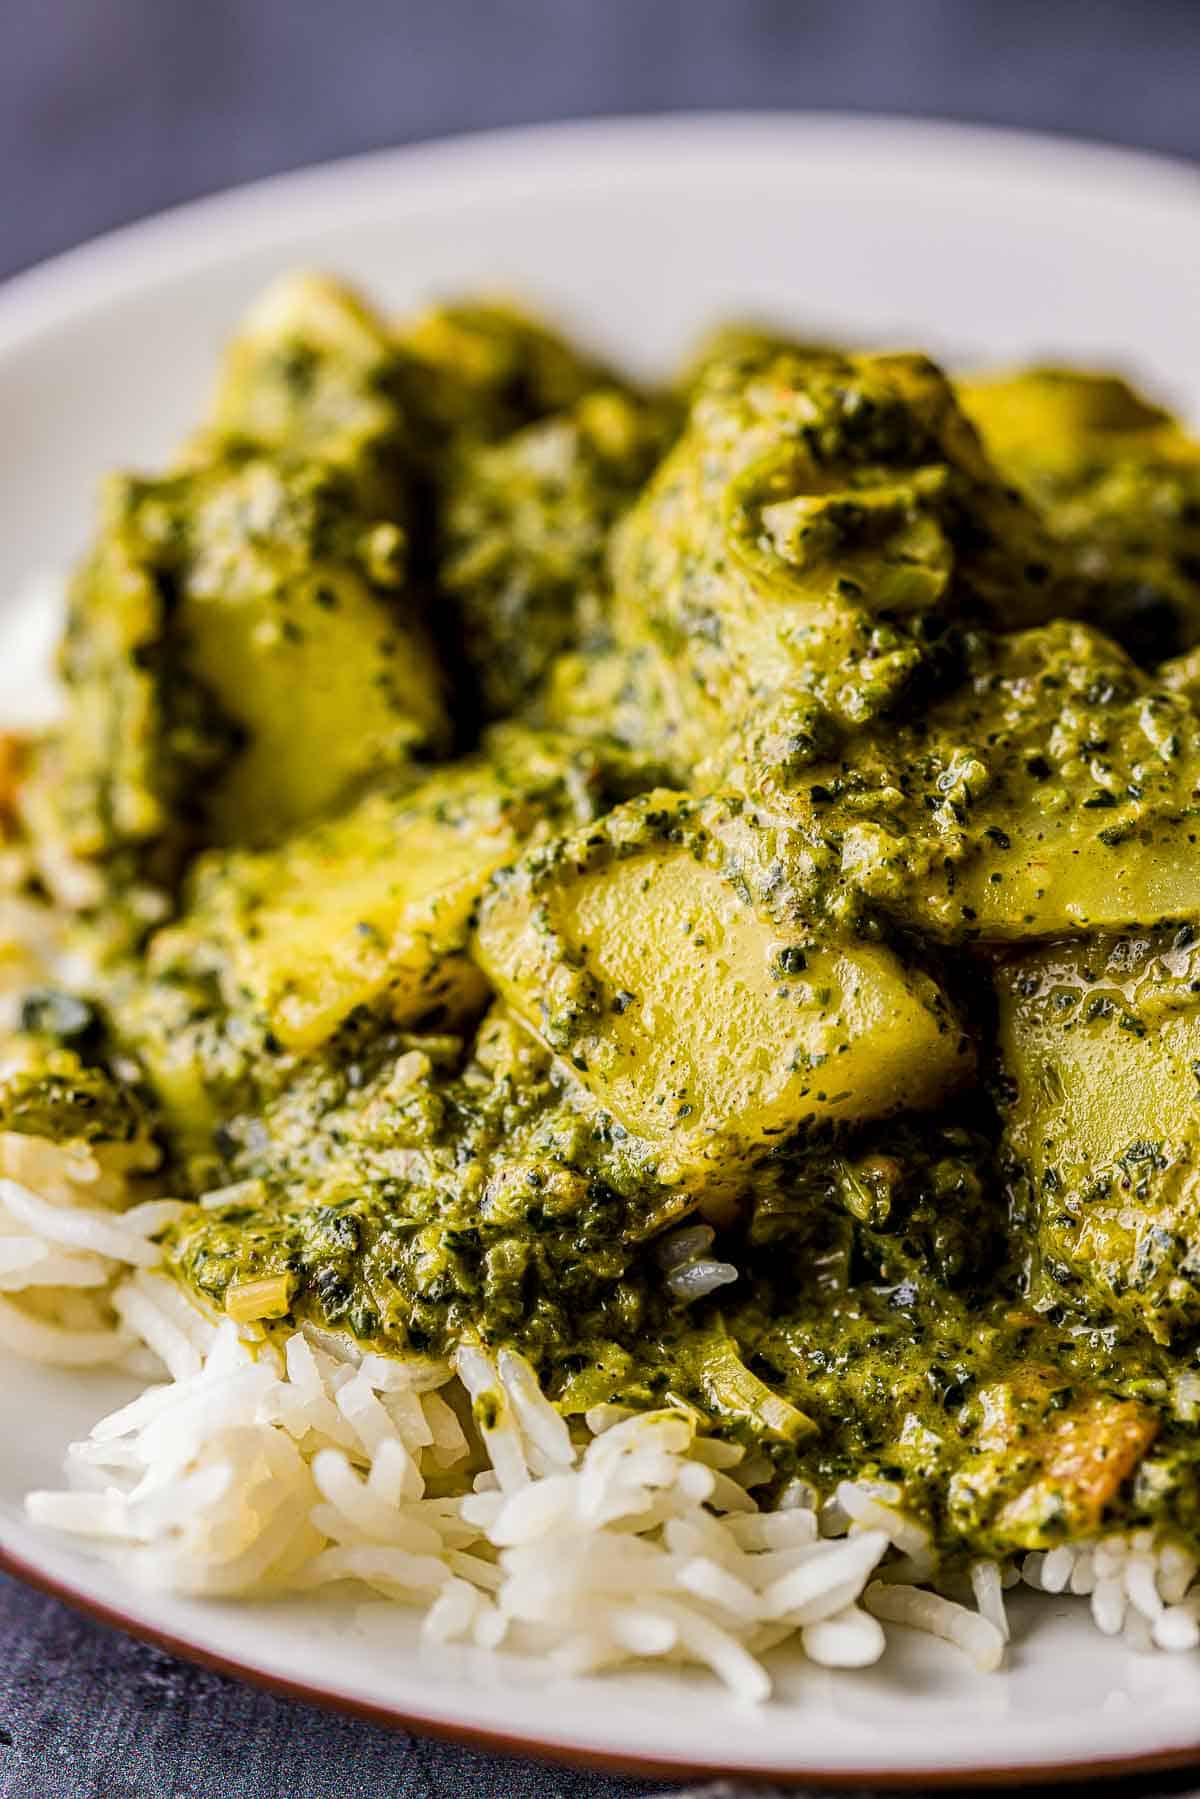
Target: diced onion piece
270, 1297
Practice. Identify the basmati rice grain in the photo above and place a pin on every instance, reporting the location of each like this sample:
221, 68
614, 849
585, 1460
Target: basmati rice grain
488, 1630
977, 1636
586, 1654
698, 1535
142, 1317
26, 1262
707, 1580
534, 1511
83, 1514
152, 1216
755, 1471
1176, 1629
868, 1511
409, 1422
1083, 1574
183, 1311
1141, 1585
850, 1639
302, 1369
708, 1643
989, 1594
834, 1519
475, 1569
377, 1565
773, 1530
600, 1418
828, 1582
642, 1633
493, 1417
714, 1452
373, 1516
394, 1478
1056, 1569
725, 1495
364, 1412
1108, 1605
1176, 1571
78, 1228
772, 1564
797, 1495
684, 1245
446, 1433
1108, 1555
545, 1429
415, 1374
695, 1280
699, 1484
452, 1613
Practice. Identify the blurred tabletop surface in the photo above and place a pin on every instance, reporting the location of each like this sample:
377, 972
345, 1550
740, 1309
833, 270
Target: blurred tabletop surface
109, 112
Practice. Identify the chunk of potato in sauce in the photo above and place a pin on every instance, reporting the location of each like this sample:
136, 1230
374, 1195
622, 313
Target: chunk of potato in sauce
370, 908
1101, 1042
688, 1013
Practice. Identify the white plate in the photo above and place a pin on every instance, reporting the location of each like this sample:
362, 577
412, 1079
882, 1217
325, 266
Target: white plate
981, 245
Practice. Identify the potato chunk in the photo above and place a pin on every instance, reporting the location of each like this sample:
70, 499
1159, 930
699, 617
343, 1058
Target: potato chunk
819, 520
1102, 1044
476, 370
1118, 482
244, 644
313, 371
371, 901
1055, 790
292, 616
696, 1019
242, 649
370, 908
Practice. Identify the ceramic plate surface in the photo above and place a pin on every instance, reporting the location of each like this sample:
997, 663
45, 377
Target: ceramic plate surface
983, 246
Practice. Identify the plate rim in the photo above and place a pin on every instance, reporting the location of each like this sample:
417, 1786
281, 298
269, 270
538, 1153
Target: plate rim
214, 228
104, 268
585, 1755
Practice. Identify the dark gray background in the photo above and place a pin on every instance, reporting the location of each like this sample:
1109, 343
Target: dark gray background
110, 109
114, 108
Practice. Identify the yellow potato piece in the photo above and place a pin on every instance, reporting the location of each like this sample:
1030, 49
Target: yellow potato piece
695, 1020
328, 684
1054, 791
371, 907
372, 904
309, 369
1102, 1043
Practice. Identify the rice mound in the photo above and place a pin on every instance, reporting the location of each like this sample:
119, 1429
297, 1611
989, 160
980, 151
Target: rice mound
265, 1470
260, 1469
70, 1228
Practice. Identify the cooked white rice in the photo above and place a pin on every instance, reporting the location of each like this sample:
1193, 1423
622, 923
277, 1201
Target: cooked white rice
260, 1470
68, 1234
257, 1470
1138, 1588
